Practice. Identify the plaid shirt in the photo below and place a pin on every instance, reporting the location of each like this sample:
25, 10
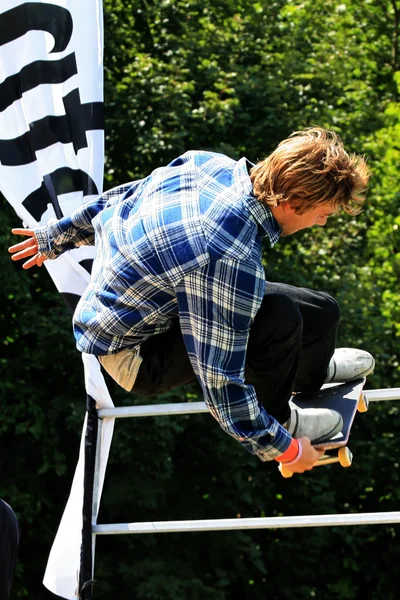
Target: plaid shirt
184, 242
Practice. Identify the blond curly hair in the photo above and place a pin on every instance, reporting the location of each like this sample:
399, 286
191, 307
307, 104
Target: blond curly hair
309, 168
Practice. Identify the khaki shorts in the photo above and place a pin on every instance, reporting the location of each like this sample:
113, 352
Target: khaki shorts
123, 366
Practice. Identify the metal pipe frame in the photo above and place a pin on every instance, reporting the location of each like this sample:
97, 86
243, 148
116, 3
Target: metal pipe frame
256, 523
186, 408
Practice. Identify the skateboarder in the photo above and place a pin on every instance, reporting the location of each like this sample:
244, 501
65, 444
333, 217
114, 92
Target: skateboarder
178, 289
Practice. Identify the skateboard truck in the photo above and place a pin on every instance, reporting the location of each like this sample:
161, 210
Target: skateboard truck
344, 456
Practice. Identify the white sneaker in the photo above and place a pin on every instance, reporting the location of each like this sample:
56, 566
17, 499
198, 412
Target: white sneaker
318, 424
348, 364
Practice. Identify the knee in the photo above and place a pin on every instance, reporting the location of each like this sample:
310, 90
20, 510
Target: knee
275, 335
331, 310
280, 313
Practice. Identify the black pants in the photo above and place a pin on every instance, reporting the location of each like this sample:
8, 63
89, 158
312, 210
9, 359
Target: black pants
291, 342
9, 536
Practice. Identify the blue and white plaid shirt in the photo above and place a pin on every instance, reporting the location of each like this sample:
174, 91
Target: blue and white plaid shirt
184, 242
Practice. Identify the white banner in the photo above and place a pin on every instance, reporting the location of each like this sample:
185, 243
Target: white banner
51, 161
51, 96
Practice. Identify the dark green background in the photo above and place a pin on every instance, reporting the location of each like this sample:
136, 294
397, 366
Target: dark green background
233, 76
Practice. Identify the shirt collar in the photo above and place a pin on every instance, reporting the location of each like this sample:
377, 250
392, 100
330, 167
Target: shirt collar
261, 212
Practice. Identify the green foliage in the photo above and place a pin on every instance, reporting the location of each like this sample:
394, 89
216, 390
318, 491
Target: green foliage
234, 77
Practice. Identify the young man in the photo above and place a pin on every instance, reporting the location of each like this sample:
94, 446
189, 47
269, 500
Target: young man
178, 289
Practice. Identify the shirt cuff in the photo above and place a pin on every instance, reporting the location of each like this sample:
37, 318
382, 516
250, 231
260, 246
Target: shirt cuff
43, 241
45, 237
271, 446
291, 453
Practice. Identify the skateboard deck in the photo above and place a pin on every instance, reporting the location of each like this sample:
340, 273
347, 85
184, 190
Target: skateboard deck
346, 398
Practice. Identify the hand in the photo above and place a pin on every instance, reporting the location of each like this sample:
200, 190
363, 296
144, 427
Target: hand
309, 457
27, 248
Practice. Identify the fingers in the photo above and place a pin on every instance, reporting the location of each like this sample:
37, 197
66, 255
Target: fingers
27, 232
37, 261
23, 244
40, 259
308, 458
23, 249
22, 231
26, 249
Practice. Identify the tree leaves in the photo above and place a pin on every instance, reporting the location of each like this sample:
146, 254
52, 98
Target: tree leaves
235, 77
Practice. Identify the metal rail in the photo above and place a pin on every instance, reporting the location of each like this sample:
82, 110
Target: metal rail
154, 410
382, 395
256, 523
186, 408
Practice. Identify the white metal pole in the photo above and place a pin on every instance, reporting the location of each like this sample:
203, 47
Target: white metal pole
382, 395
186, 408
154, 410
382, 518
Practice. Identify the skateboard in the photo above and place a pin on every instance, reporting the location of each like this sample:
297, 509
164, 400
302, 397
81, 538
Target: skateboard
346, 398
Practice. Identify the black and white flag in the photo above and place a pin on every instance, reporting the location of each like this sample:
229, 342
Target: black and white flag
51, 161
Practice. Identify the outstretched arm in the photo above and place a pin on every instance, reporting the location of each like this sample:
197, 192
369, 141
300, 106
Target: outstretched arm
51, 240
72, 231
